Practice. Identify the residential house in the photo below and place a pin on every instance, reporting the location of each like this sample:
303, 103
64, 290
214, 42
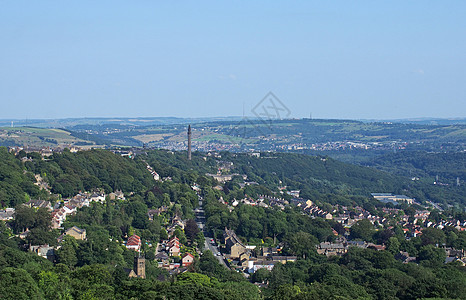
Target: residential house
116, 195
134, 243
39, 204
404, 257
269, 251
173, 246
164, 260
187, 259
156, 212
359, 244
233, 244
58, 217
69, 209
44, 251
243, 259
253, 266
284, 259
376, 247
7, 214
76, 232
329, 249
97, 197
177, 221
452, 252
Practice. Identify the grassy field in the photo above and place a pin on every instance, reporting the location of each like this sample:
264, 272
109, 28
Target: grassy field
40, 137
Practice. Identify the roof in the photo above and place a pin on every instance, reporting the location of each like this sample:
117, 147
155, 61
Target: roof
450, 259
264, 263
233, 238
161, 255
328, 245
75, 229
282, 257
133, 240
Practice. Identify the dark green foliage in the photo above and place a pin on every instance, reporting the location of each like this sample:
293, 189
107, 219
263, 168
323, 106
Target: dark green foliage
67, 252
191, 230
210, 266
432, 236
431, 256
18, 284
448, 166
302, 244
362, 230
68, 173
14, 183
31, 218
364, 274
54, 285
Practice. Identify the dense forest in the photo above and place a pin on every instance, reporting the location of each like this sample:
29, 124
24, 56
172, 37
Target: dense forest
68, 173
16, 185
448, 166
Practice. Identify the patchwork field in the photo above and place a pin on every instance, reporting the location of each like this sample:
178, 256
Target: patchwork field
39, 137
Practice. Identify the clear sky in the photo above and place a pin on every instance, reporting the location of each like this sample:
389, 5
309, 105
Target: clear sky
334, 59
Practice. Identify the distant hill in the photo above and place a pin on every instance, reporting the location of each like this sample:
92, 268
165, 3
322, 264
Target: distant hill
247, 134
71, 122
38, 137
425, 121
149, 121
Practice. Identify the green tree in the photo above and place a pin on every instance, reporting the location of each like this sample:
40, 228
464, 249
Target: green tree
54, 286
163, 234
200, 240
18, 284
24, 218
180, 235
363, 230
303, 244
261, 275
432, 236
393, 245
67, 252
195, 279
191, 230
431, 256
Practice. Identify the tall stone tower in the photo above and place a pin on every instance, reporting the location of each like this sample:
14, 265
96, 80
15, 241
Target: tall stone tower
189, 142
140, 266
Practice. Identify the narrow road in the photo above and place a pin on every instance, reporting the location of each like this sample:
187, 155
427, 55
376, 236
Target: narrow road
200, 220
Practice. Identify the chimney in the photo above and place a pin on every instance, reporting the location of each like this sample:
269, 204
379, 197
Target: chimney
189, 142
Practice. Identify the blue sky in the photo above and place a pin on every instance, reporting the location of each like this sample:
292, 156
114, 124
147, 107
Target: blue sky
334, 59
